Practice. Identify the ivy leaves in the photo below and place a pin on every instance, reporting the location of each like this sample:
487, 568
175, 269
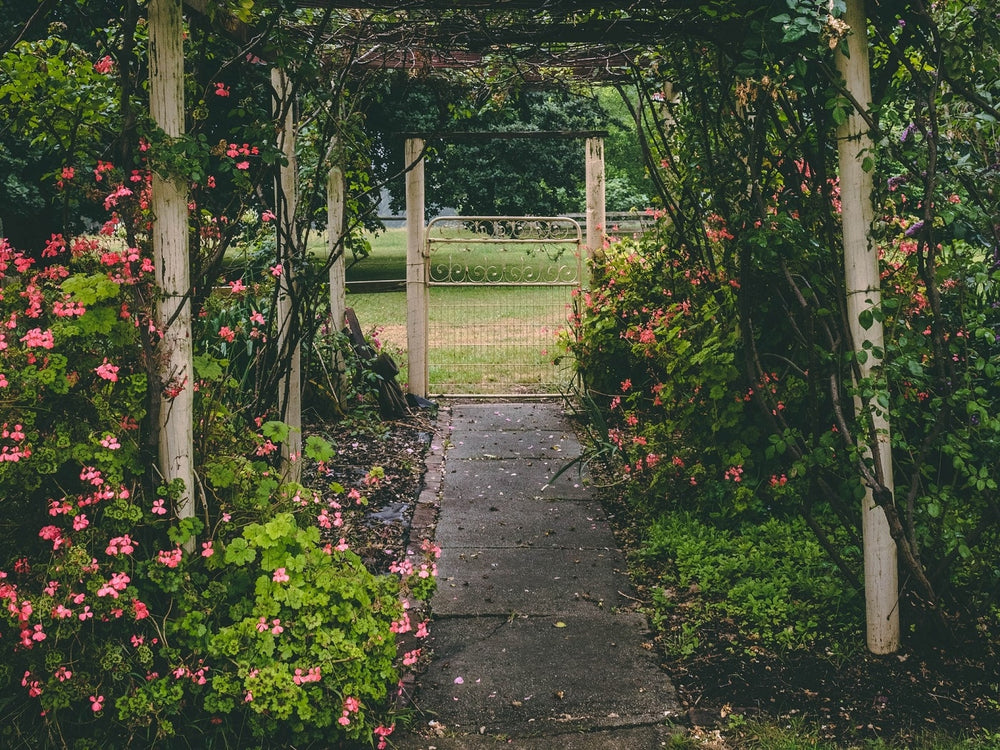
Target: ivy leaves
808, 18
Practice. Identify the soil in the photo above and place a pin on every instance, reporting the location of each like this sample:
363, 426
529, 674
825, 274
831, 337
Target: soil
951, 687
385, 462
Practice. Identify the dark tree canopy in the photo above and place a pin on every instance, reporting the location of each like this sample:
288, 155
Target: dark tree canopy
484, 175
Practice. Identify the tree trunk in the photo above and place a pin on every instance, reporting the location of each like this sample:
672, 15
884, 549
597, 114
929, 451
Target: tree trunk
863, 294
170, 253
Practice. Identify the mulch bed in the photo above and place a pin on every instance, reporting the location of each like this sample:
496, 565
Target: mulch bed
379, 530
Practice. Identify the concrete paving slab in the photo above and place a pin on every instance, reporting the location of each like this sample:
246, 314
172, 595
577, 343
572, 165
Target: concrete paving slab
477, 581
538, 675
532, 645
523, 522
501, 416
558, 445
625, 738
513, 477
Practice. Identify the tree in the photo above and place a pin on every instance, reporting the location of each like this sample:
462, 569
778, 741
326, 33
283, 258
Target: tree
484, 176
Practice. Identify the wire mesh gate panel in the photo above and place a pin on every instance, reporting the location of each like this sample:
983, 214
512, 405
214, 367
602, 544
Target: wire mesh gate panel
501, 289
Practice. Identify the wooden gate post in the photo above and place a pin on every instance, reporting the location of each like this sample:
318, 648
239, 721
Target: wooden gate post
417, 296
854, 145
335, 210
170, 259
290, 385
596, 212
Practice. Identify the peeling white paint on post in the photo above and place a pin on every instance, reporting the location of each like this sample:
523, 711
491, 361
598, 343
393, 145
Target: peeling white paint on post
335, 209
170, 252
417, 296
864, 293
596, 211
290, 386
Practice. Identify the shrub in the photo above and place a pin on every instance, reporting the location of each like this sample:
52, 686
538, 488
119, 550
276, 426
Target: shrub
671, 350
122, 624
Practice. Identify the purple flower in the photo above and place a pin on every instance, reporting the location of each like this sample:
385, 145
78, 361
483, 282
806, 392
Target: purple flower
914, 228
910, 130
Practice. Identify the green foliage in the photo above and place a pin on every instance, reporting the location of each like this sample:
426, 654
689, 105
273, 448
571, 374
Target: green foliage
487, 176
124, 625
309, 629
771, 579
718, 344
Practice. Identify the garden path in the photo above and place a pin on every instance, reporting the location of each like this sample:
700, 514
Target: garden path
535, 642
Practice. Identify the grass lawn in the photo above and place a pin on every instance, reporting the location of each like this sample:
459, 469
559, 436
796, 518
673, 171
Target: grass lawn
483, 339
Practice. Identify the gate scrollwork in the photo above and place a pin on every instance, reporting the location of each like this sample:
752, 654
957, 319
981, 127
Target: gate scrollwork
504, 250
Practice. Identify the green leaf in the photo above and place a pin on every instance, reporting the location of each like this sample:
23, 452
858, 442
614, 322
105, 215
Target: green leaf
866, 319
185, 529
220, 474
238, 552
276, 431
319, 449
208, 367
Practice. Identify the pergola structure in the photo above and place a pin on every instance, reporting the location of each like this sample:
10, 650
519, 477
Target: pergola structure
429, 33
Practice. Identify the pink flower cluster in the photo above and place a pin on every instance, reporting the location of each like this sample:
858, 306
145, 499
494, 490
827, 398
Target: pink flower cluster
275, 626
13, 453
311, 675
234, 151
351, 706
116, 584
170, 558
382, 732
197, 676
734, 473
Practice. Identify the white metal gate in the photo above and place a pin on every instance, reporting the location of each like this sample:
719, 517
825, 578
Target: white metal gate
500, 295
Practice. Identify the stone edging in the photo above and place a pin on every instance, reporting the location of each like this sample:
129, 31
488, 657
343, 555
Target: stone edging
422, 526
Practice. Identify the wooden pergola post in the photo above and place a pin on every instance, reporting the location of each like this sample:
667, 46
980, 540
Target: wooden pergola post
170, 258
596, 211
417, 298
335, 209
854, 144
290, 386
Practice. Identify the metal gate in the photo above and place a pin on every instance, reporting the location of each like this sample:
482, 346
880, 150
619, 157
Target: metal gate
501, 290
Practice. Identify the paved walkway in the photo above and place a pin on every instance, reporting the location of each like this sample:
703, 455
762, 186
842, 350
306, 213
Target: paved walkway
534, 641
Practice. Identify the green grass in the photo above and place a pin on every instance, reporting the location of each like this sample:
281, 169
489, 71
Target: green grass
800, 734
387, 260
482, 337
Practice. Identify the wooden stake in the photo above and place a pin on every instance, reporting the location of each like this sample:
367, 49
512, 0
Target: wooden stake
170, 252
290, 386
596, 213
417, 296
335, 209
